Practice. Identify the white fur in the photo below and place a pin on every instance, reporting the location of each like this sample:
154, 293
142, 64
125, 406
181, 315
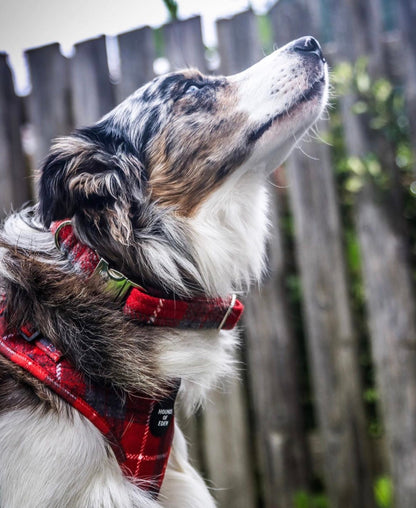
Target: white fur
183, 486
62, 461
231, 226
201, 359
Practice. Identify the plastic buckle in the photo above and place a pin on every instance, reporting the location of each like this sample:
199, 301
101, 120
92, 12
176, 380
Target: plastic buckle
28, 334
117, 283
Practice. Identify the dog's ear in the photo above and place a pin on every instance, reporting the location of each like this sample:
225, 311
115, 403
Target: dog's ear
81, 178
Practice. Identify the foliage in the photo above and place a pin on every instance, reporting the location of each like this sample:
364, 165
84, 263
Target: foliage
383, 107
383, 492
172, 7
389, 168
265, 31
383, 496
305, 499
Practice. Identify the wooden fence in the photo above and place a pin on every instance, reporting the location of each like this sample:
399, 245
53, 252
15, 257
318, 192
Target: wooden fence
254, 442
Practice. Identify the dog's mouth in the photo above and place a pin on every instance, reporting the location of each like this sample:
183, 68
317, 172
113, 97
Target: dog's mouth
315, 90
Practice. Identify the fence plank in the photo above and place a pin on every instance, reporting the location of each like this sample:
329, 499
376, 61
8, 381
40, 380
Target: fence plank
183, 44
238, 42
226, 448
274, 371
92, 92
49, 109
407, 20
391, 311
332, 344
388, 280
137, 54
347, 17
293, 19
14, 188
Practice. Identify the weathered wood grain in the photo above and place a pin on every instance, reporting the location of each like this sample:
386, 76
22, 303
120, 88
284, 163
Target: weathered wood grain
14, 181
331, 341
137, 54
407, 19
183, 45
274, 374
238, 42
227, 450
92, 91
49, 108
387, 276
293, 19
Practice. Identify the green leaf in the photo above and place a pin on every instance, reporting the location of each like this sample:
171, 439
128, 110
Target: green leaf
378, 123
371, 395
301, 500
404, 156
360, 107
356, 165
354, 184
172, 7
363, 83
353, 251
382, 90
342, 77
375, 429
373, 166
383, 492
266, 33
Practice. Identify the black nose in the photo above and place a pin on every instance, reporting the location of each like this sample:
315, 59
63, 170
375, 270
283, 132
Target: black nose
308, 45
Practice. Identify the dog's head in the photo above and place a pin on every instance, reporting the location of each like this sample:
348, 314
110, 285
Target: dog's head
176, 140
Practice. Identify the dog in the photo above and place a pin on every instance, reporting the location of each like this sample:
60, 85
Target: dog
164, 201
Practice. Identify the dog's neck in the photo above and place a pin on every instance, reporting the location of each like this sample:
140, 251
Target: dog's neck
229, 235
217, 251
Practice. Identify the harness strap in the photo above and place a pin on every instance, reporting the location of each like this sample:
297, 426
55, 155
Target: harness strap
139, 429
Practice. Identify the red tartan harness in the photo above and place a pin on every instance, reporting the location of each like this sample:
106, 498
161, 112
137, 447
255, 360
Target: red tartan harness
139, 429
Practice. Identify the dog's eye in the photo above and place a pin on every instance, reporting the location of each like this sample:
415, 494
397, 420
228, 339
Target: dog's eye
192, 88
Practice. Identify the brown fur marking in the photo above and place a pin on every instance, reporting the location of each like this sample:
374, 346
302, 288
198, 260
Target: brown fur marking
184, 167
109, 348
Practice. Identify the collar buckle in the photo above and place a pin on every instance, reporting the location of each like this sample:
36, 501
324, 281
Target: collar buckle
117, 283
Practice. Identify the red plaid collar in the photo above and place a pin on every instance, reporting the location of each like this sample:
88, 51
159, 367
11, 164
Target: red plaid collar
139, 305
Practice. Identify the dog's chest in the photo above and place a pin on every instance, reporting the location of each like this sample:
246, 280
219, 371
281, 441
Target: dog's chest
139, 429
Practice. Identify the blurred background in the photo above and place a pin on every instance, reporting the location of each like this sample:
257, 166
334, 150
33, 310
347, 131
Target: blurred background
325, 415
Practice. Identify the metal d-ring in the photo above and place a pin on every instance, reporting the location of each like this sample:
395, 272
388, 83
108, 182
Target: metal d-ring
228, 312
